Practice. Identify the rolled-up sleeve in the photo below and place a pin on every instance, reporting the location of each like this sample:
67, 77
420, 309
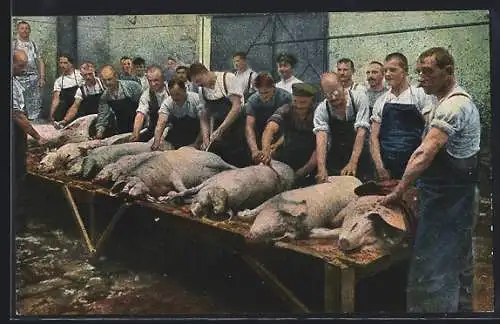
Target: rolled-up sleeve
320, 119
450, 116
378, 106
279, 115
143, 106
57, 85
363, 115
233, 87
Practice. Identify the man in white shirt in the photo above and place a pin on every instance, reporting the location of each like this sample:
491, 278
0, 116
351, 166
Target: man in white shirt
345, 69
65, 87
244, 74
221, 96
149, 104
286, 63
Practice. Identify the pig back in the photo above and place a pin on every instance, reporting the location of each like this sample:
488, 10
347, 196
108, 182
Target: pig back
322, 202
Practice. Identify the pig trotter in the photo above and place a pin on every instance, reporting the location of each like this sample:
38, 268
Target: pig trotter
287, 237
325, 233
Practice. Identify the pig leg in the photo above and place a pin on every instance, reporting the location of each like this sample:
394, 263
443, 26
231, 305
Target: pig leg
248, 215
325, 233
286, 237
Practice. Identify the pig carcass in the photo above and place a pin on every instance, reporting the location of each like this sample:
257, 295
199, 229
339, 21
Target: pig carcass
364, 222
80, 130
296, 212
173, 170
234, 190
112, 171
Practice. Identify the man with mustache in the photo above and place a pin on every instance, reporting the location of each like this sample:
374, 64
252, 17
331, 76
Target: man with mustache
345, 70
446, 165
375, 79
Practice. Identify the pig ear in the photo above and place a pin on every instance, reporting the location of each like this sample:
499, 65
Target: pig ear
384, 230
293, 208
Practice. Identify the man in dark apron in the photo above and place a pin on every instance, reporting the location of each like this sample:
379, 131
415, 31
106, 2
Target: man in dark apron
117, 105
341, 122
397, 122
65, 88
221, 96
86, 97
259, 107
296, 123
21, 127
149, 104
446, 164
182, 110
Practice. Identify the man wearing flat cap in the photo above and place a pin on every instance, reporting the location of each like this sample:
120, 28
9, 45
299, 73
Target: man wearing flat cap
286, 63
296, 123
341, 123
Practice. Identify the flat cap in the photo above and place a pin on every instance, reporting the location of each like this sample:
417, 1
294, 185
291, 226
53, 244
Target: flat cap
303, 90
286, 58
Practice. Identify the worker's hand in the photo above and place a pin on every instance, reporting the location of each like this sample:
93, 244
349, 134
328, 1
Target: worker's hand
392, 197
382, 173
60, 124
155, 146
41, 82
322, 175
100, 134
257, 156
266, 157
133, 138
216, 135
349, 169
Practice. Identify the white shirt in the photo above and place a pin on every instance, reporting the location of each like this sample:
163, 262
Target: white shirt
17, 95
68, 81
412, 95
90, 91
144, 82
144, 100
192, 107
218, 91
287, 84
242, 78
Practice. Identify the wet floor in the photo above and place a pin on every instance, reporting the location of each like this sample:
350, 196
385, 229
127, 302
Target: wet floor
150, 269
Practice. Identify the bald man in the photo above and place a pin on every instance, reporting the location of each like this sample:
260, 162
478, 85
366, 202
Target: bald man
22, 126
117, 104
341, 122
86, 97
149, 104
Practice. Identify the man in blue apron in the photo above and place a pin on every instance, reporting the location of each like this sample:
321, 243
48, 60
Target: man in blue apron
221, 96
296, 123
259, 107
21, 127
182, 110
149, 105
33, 78
341, 122
397, 122
117, 105
65, 88
87, 96
446, 164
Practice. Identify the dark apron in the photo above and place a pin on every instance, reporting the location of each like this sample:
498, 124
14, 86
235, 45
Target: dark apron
66, 99
400, 134
124, 110
297, 149
90, 103
154, 107
342, 139
440, 277
184, 131
233, 147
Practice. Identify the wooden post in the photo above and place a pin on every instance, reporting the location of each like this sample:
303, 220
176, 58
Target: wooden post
111, 226
339, 286
79, 221
92, 221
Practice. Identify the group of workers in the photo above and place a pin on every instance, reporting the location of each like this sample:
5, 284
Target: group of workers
385, 130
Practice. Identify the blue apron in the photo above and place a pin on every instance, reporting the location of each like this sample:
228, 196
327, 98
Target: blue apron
400, 134
66, 99
440, 277
343, 136
184, 130
232, 147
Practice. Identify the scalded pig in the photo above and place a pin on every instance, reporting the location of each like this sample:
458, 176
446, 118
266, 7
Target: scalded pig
296, 212
234, 190
112, 171
174, 170
79, 130
59, 158
365, 222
